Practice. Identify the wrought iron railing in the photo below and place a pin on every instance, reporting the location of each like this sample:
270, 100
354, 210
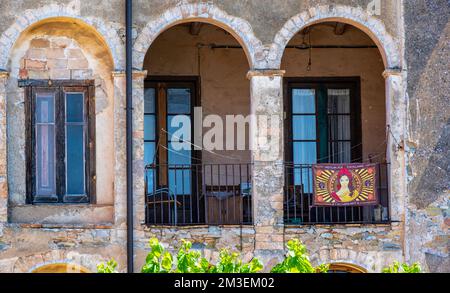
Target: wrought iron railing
198, 194
298, 201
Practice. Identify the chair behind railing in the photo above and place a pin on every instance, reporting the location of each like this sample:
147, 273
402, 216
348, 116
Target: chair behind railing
198, 194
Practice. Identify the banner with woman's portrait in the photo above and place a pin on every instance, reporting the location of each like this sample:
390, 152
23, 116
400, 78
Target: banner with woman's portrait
345, 184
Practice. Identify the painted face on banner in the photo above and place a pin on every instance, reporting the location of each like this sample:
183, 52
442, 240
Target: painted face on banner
344, 185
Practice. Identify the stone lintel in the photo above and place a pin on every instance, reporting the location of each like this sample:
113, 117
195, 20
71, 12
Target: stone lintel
265, 72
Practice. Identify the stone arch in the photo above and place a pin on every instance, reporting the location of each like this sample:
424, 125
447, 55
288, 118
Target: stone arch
347, 267
365, 261
239, 28
69, 12
355, 16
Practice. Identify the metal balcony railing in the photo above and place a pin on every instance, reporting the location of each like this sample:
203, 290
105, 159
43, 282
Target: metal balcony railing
198, 194
298, 201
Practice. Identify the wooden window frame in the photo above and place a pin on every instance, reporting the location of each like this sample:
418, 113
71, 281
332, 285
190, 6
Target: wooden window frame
157, 82
320, 84
60, 87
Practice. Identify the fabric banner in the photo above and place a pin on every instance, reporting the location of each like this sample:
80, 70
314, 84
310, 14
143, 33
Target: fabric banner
345, 184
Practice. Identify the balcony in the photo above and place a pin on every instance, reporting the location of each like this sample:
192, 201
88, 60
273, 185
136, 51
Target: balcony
299, 209
198, 194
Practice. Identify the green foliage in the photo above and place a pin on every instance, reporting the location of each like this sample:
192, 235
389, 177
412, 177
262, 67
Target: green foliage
190, 261
297, 260
107, 268
230, 263
158, 260
397, 268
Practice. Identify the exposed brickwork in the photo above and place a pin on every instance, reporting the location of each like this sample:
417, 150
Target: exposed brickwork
55, 58
27, 18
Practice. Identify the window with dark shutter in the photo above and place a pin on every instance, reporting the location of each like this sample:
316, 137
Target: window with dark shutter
60, 148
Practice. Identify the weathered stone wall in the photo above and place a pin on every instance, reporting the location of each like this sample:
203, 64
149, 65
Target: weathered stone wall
427, 35
207, 239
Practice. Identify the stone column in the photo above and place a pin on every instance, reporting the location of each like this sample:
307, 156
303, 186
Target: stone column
138, 146
266, 90
120, 159
3, 149
138, 157
396, 155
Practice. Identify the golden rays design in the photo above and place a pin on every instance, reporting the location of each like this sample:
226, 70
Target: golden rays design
363, 182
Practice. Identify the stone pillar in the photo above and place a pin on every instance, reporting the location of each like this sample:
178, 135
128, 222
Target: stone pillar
138, 156
120, 159
3, 150
266, 90
396, 127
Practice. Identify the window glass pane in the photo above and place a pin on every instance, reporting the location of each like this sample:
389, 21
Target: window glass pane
149, 152
149, 127
45, 109
180, 181
149, 100
338, 101
179, 101
304, 127
305, 153
179, 153
74, 107
151, 180
340, 152
303, 177
45, 160
75, 159
182, 129
303, 101
340, 127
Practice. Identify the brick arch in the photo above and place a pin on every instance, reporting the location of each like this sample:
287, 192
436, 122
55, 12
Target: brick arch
69, 12
355, 16
205, 12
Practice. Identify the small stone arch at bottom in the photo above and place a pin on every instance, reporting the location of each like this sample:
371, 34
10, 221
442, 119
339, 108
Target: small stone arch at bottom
340, 267
61, 268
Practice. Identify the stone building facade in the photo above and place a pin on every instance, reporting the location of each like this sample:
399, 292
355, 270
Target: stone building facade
398, 50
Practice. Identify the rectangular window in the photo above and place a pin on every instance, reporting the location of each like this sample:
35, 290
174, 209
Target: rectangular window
60, 147
324, 122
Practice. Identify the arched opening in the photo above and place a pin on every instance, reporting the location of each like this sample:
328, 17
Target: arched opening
346, 268
59, 60
336, 114
196, 78
61, 268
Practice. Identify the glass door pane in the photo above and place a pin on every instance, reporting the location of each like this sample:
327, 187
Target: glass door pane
179, 139
339, 134
304, 135
150, 135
